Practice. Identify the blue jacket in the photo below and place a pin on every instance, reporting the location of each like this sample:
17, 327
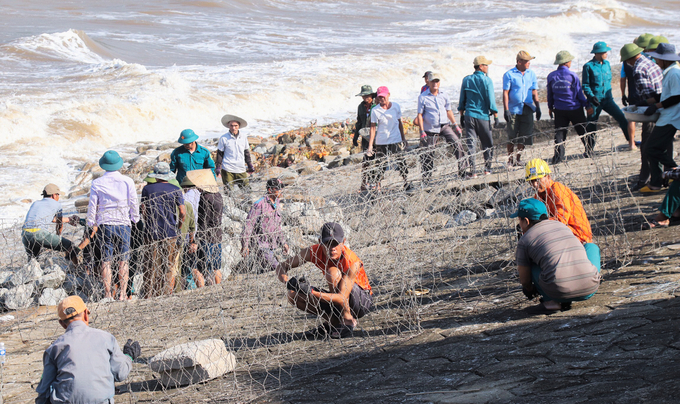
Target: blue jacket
181, 161
597, 80
476, 96
564, 90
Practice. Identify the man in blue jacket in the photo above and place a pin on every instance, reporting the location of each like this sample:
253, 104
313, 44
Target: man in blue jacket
597, 85
476, 103
189, 156
566, 102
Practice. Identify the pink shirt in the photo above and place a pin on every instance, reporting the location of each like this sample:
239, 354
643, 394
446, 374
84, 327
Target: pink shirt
113, 200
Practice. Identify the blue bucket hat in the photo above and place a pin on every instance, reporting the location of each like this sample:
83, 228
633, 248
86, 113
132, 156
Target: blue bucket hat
665, 51
531, 209
111, 161
187, 136
600, 47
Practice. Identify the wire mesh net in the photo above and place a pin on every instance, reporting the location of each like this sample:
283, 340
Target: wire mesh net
447, 236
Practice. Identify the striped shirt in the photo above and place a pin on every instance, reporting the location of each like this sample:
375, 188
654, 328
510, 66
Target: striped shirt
648, 77
566, 272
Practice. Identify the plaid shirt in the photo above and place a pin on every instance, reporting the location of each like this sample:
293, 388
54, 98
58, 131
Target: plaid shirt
648, 77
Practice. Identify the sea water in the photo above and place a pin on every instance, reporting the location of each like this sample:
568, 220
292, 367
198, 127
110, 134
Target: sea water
80, 77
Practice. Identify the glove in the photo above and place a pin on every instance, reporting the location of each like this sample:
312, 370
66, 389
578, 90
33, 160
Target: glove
292, 284
74, 220
642, 103
595, 101
507, 115
251, 169
132, 349
496, 122
538, 113
462, 123
651, 110
531, 292
457, 130
624, 100
304, 287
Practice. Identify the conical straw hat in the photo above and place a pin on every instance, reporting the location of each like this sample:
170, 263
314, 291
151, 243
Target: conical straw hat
204, 180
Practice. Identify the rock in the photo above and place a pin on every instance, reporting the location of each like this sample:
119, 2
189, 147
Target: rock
78, 191
306, 165
26, 274
193, 362
232, 211
231, 255
356, 158
81, 205
287, 176
332, 212
142, 149
315, 200
52, 280
317, 141
311, 224
507, 195
463, 218
436, 221
167, 146
3, 293
479, 199
5, 277
231, 227
137, 283
52, 297
254, 140
262, 149
285, 138
20, 297
337, 162
165, 156
277, 149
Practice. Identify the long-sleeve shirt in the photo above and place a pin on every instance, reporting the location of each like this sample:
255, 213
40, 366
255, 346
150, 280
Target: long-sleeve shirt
210, 217
41, 214
564, 90
648, 77
263, 225
363, 121
433, 107
113, 200
476, 96
182, 160
597, 80
81, 366
670, 114
564, 206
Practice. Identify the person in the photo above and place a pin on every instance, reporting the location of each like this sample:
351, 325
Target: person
209, 229
551, 262
233, 155
160, 203
562, 204
426, 77
82, 365
35, 233
189, 245
628, 82
668, 210
387, 133
566, 102
262, 234
364, 121
189, 156
520, 103
659, 147
435, 120
597, 86
111, 211
349, 296
647, 78
476, 104
655, 41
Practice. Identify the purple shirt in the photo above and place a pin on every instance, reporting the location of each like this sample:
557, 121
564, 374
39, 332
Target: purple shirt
161, 201
648, 78
113, 200
564, 90
263, 225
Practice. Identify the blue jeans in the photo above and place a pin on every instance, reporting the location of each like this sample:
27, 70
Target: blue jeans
115, 240
593, 253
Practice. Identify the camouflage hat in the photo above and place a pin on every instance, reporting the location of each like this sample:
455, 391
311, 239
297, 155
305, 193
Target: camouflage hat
365, 90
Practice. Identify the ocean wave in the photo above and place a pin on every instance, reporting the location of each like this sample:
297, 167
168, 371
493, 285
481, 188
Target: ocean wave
72, 45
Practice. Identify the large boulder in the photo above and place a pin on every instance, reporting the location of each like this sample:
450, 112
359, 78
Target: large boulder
30, 272
52, 297
53, 279
285, 175
193, 362
20, 297
5, 277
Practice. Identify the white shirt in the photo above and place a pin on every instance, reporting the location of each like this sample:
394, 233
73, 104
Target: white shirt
234, 149
671, 87
387, 124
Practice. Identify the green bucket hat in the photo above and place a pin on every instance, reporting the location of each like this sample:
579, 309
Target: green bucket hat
643, 40
654, 42
187, 136
111, 161
365, 90
630, 50
563, 57
600, 47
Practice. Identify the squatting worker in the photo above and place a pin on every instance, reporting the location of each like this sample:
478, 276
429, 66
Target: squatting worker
364, 122
387, 133
659, 148
552, 262
476, 104
35, 233
83, 364
112, 210
562, 203
597, 85
520, 102
566, 102
233, 154
262, 233
190, 156
349, 295
647, 78
435, 120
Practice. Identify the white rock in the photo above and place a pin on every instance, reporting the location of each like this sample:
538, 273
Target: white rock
52, 279
52, 297
19, 297
193, 362
28, 273
5, 277
6, 318
464, 217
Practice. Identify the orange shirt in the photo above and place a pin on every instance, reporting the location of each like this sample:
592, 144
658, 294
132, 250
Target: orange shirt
347, 259
564, 206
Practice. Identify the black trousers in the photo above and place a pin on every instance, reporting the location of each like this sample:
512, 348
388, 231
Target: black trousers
563, 119
659, 150
647, 129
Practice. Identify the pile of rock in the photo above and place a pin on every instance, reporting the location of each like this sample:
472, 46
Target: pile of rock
20, 288
193, 362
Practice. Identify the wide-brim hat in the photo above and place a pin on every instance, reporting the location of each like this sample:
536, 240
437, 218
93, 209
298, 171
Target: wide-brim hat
630, 50
204, 180
365, 90
161, 171
643, 40
228, 118
111, 161
665, 51
187, 136
186, 182
600, 47
656, 41
563, 57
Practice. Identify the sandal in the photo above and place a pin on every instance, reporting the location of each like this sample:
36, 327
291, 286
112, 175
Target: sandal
654, 225
343, 332
540, 309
